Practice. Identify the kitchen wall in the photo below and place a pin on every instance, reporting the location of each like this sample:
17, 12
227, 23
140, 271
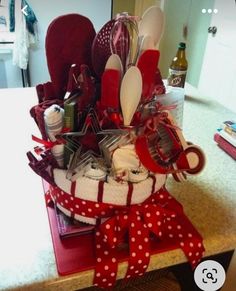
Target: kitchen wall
175, 17
3, 81
179, 14
198, 24
218, 73
10, 76
123, 6
98, 12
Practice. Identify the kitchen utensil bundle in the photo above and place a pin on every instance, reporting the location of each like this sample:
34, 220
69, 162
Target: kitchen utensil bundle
109, 109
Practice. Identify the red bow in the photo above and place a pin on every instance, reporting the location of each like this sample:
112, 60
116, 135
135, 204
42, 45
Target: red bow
148, 217
49, 144
160, 215
140, 222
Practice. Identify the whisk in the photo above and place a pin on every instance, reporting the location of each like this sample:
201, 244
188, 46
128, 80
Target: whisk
124, 38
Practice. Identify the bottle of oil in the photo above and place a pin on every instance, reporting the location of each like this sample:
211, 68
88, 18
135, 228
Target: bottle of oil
178, 68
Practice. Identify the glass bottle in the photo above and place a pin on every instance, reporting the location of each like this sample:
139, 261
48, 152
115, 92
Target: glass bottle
178, 68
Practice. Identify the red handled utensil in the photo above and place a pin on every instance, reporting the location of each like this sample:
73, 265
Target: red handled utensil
110, 89
114, 62
147, 64
101, 48
103, 44
145, 43
168, 152
87, 98
72, 83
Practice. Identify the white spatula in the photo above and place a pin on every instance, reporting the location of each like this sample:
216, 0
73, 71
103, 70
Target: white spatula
130, 93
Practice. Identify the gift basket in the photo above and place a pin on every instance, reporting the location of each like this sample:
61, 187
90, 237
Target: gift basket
108, 145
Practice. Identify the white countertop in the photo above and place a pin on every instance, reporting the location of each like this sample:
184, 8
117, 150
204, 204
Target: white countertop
26, 254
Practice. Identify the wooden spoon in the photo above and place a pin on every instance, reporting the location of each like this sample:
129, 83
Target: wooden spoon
152, 24
114, 62
130, 93
146, 43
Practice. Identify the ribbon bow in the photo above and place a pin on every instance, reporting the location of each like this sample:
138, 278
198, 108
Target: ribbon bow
47, 143
160, 217
139, 221
147, 218
161, 117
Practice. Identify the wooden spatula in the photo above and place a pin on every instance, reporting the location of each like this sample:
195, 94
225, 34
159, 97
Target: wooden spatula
130, 93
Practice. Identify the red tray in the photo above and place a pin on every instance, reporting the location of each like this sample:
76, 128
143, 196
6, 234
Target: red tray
76, 254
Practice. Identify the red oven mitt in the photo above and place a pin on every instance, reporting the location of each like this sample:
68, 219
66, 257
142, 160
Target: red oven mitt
68, 41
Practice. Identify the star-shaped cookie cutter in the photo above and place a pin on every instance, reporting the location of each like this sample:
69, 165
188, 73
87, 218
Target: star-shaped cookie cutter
79, 158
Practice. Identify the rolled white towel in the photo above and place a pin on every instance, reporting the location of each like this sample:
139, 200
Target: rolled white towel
54, 121
93, 172
126, 164
58, 153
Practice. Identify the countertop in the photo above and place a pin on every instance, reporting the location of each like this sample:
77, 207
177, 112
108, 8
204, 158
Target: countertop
27, 259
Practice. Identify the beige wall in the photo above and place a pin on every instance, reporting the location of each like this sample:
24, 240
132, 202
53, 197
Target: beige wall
123, 6
142, 5
133, 7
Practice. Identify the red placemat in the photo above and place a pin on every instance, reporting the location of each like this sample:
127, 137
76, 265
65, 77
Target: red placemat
77, 254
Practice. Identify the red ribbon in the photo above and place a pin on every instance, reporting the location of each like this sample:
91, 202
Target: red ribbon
160, 215
49, 144
161, 117
139, 221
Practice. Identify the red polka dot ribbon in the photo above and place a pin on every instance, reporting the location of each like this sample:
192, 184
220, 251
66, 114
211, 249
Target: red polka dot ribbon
160, 215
